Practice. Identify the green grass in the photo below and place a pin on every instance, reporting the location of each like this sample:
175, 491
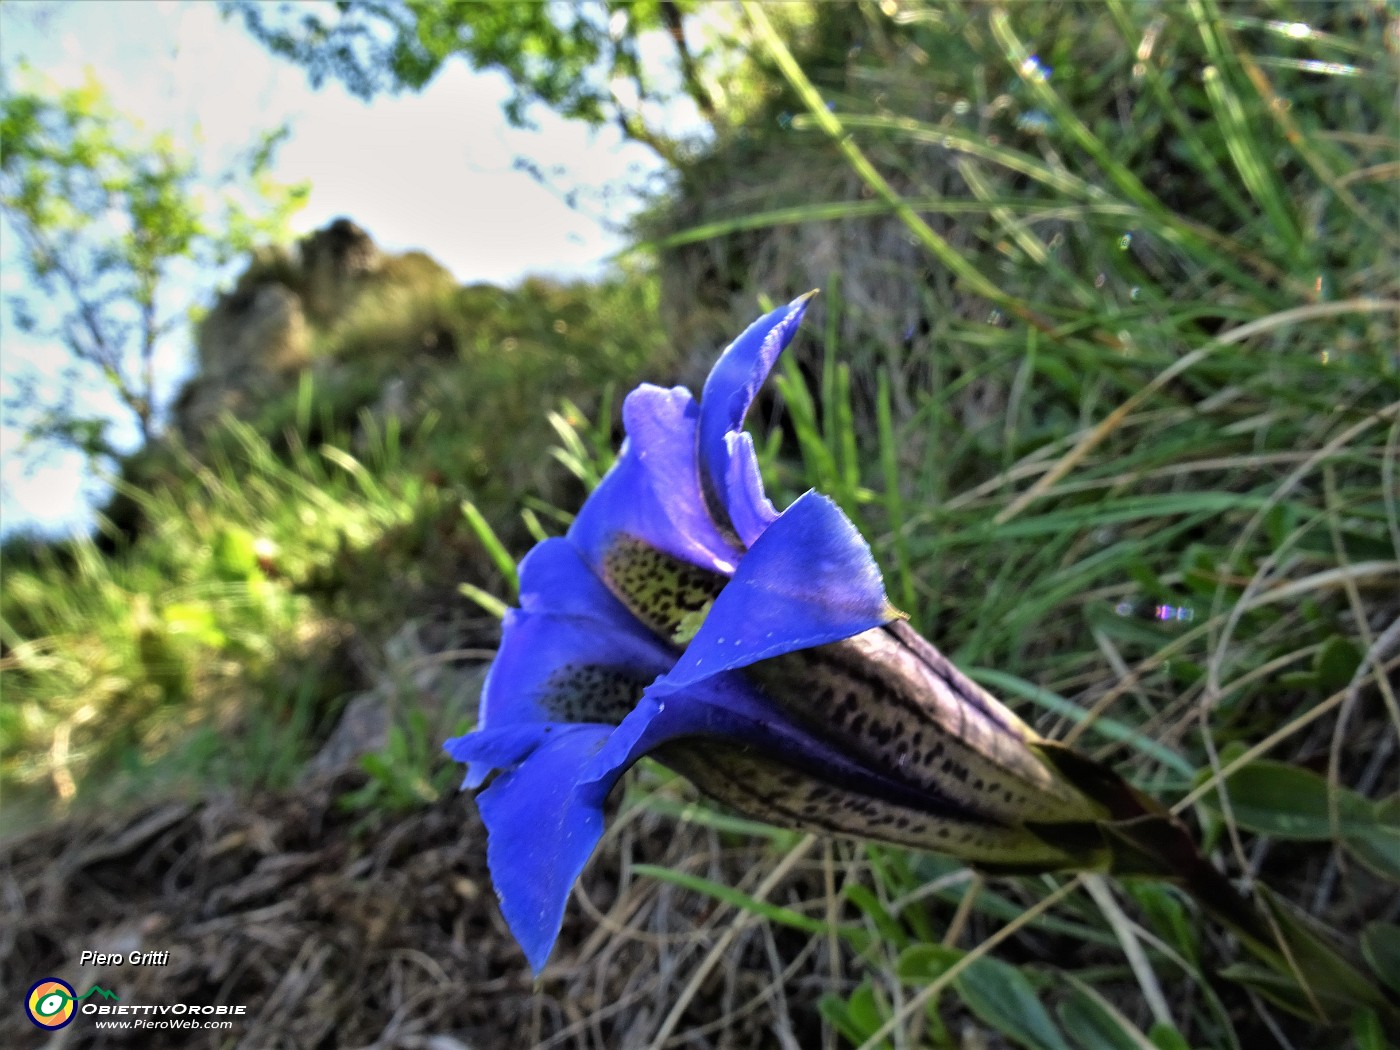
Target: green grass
215, 648
205, 626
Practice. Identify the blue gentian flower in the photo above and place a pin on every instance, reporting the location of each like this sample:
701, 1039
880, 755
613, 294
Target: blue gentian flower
755, 653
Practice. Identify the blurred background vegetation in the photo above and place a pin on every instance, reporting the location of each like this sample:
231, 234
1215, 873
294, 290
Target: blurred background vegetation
1105, 365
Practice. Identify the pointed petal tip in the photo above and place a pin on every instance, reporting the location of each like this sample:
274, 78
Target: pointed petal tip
798, 307
543, 822
729, 473
477, 772
538, 958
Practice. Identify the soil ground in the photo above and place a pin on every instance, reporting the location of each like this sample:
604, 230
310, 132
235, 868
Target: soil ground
335, 930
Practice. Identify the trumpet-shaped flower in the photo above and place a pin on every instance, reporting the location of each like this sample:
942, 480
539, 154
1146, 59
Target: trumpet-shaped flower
755, 653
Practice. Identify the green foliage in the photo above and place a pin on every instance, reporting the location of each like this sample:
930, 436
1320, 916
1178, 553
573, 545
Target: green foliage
107, 222
582, 60
205, 626
409, 771
999, 994
210, 645
1289, 802
1381, 944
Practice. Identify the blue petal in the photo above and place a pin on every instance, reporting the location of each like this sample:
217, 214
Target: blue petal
555, 579
730, 389
749, 509
723, 706
808, 580
543, 820
652, 493
499, 748
571, 653
544, 815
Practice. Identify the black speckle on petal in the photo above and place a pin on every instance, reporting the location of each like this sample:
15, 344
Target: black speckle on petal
668, 595
590, 693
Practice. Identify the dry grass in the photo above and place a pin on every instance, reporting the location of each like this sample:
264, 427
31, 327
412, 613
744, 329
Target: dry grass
338, 932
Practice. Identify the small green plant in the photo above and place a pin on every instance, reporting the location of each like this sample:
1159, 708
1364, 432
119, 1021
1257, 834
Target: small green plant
408, 772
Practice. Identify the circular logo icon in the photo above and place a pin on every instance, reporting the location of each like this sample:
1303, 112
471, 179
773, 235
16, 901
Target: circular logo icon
50, 1003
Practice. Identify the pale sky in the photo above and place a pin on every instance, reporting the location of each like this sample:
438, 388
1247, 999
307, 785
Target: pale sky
433, 171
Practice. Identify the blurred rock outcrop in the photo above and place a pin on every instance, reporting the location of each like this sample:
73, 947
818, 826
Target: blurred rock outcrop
336, 262
260, 336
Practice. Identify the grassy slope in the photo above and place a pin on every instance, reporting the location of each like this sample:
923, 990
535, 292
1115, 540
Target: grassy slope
216, 645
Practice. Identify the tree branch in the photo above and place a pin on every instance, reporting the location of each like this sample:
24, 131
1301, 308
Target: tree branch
690, 73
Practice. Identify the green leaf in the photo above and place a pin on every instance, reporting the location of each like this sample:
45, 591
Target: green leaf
1333, 983
235, 553
864, 898
1166, 916
1335, 663
703, 815
1378, 848
194, 621
1380, 944
1366, 1027
865, 1011
377, 766
792, 385
1274, 798
1278, 989
856, 1018
500, 557
485, 599
1105, 727
1000, 995
925, 963
1095, 1024
1165, 1037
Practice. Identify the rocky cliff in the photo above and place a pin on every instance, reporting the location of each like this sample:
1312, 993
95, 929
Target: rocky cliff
282, 313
